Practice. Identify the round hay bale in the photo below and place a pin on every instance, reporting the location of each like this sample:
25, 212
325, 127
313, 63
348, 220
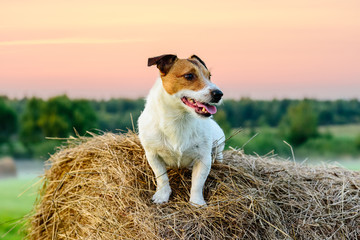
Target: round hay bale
7, 167
100, 188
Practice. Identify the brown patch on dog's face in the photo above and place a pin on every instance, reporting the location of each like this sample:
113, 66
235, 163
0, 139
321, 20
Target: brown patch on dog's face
190, 74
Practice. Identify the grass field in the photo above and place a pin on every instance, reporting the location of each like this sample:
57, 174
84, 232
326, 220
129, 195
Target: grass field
333, 143
342, 131
16, 200
349, 164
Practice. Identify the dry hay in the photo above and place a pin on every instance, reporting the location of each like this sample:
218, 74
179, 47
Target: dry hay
7, 167
100, 188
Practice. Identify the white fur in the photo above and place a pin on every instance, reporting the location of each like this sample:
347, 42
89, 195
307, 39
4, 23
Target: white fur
173, 135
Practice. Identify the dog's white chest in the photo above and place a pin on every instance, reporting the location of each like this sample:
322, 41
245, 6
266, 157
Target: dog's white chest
178, 157
177, 147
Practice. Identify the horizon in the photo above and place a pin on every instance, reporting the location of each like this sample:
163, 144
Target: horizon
258, 50
144, 98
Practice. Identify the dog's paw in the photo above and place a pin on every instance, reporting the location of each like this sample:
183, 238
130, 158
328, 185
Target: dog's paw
219, 158
197, 202
162, 195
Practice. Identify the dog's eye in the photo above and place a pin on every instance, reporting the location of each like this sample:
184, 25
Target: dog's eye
189, 76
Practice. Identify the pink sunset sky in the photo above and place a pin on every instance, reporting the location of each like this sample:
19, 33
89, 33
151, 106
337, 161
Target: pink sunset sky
254, 48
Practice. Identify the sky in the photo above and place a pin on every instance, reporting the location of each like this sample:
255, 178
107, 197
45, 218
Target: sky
254, 48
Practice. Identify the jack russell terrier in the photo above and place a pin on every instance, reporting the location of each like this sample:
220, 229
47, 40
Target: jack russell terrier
176, 128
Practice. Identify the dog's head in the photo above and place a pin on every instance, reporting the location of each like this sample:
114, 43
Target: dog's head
188, 80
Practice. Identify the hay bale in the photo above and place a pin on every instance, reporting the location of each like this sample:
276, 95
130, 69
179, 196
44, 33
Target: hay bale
100, 188
7, 167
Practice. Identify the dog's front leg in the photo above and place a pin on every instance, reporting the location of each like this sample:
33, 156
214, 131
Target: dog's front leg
158, 166
200, 173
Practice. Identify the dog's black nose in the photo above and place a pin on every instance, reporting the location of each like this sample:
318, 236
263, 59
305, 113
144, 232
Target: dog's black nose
216, 95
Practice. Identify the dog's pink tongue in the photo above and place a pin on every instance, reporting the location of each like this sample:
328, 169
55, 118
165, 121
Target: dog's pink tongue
210, 108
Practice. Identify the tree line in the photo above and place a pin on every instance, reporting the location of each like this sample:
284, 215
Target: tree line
25, 123
248, 112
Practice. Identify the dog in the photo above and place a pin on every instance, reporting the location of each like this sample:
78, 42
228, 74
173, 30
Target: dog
176, 128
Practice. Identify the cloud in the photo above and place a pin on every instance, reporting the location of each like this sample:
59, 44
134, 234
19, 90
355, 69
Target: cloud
68, 41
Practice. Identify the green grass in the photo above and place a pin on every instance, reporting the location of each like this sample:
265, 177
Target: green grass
342, 131
351, 164
16, 200
334, 142
260, 141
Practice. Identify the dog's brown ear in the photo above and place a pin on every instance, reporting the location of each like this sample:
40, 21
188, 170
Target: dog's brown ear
199, 59
163, 62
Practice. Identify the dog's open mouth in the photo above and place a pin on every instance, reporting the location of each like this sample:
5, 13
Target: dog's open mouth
201, 108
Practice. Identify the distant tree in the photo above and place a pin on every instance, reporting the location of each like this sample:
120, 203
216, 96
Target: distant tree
299, 124
60, 116
326, 117
221, 119
8, 121
83, 117
55, 117
30, 128
115, 114
357, 142
232, 110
